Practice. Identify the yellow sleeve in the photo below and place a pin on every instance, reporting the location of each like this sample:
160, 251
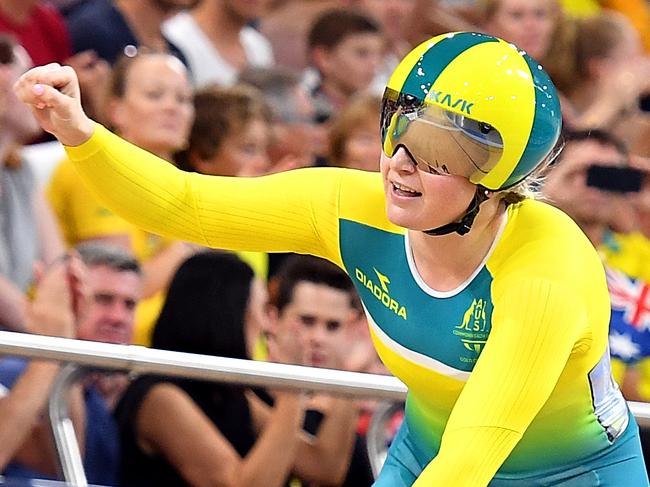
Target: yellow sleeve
296, 211
536, 323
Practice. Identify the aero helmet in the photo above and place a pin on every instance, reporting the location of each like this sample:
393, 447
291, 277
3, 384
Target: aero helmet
471, 105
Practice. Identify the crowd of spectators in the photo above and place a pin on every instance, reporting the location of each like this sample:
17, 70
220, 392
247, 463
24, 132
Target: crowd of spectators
243, 89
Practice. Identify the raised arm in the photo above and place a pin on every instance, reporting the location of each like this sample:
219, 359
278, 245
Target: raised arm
294, 211
202, 455
51, 313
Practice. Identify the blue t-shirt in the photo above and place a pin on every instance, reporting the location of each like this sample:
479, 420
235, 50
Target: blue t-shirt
101, 458
98, 26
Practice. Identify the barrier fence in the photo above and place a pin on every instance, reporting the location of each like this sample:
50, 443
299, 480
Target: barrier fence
141, 360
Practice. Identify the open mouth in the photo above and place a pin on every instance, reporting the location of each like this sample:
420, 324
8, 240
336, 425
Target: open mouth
401, 190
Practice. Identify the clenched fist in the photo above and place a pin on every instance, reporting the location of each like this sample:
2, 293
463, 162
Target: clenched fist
52, 91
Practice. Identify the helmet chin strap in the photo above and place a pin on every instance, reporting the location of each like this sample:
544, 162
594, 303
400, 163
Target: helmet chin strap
464, 225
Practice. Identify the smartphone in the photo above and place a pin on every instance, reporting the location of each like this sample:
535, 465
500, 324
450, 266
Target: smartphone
615, 179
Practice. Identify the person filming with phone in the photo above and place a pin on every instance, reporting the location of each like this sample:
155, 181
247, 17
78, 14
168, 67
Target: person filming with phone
599, 185
595, 184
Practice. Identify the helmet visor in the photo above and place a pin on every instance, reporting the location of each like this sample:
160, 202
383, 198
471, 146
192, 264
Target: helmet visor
438, 140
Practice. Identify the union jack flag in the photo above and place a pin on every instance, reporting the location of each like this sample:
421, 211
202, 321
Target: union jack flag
632, 296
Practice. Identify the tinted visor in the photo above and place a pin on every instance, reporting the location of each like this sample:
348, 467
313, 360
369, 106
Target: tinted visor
438, 140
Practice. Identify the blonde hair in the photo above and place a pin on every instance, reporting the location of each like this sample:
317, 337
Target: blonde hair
530, 187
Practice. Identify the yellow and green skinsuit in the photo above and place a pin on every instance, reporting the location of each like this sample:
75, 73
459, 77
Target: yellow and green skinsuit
508, 374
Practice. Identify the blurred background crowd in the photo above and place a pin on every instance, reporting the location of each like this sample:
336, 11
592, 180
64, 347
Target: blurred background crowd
244, 88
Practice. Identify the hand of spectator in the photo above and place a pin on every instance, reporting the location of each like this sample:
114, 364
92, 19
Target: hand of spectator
52, 91
641, 200
58, 297
355, 351
624, 217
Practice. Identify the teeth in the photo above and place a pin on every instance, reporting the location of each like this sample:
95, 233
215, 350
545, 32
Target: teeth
404, 188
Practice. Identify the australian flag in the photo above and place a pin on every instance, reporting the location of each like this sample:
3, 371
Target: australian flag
629, 330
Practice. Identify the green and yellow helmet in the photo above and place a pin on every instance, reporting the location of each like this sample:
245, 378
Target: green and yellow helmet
472, 105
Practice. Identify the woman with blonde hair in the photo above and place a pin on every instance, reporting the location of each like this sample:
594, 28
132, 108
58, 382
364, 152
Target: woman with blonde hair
149, 103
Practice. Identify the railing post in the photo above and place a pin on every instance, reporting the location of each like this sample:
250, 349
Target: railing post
376, 444
69, 456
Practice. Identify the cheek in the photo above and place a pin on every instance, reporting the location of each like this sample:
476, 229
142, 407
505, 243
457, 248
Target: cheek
643, 200
577, 183
509, 25
447, 186
333, 338
188, 116
306, 334
544, 31
366, 68
131, 115
140, 105
458, 199
351, 66
130, 316
90, 315
547, 27
355, 148
448, 194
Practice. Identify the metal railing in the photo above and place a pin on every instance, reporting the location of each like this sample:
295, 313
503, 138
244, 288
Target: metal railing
142, 360
65, 440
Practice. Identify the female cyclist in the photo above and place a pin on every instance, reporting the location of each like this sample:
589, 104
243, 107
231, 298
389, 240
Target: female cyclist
490, 306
